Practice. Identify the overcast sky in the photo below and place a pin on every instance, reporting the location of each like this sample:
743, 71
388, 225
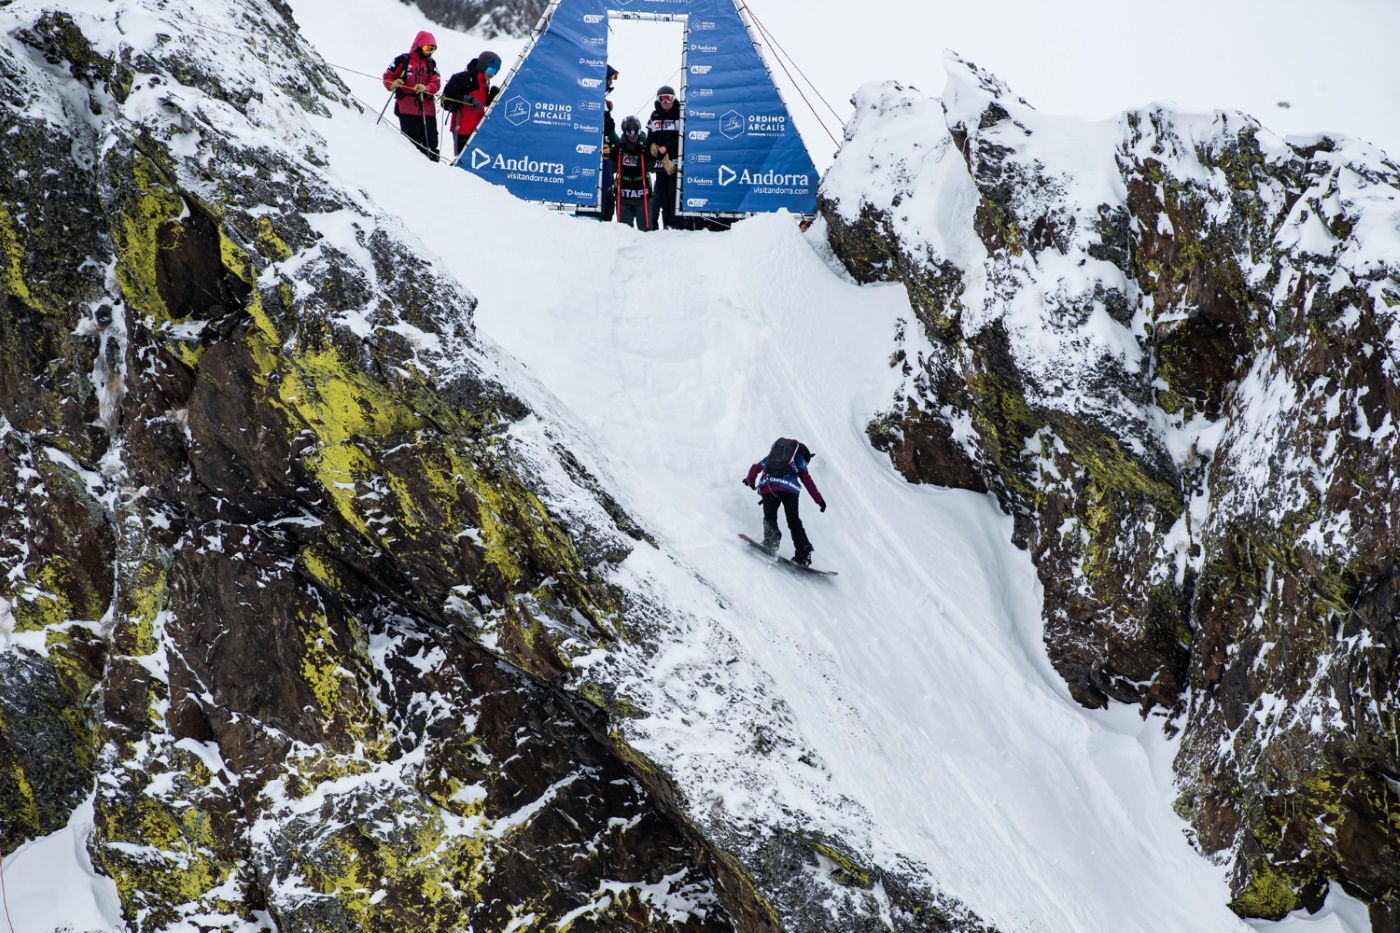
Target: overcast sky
1337, 64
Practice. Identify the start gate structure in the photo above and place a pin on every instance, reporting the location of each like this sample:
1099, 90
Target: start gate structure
741, 153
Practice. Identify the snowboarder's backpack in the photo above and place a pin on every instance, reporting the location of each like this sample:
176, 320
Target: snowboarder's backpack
780, 459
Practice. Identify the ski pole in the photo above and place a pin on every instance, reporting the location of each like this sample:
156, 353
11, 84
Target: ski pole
423, 116
646, 207
385, 108
617, 192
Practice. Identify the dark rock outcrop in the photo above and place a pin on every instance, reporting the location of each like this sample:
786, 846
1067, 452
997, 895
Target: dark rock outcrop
489, 17
1167, 345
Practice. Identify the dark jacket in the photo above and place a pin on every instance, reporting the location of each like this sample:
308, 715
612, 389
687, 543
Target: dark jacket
664, 129
466, 97
630, 162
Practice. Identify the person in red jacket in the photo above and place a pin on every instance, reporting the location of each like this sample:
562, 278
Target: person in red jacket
468, 94
414, 79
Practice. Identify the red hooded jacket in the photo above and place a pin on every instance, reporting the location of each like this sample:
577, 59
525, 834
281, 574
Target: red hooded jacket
414, 69
469, 84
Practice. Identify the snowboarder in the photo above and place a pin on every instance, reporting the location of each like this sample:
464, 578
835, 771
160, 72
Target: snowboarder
414, 79
779, 478
664, 138
633, 188
467, 96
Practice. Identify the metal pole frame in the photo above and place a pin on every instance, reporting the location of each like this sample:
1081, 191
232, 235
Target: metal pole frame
685, 49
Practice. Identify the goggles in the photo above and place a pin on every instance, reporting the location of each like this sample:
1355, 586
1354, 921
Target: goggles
429, 49
492, 69
666, 98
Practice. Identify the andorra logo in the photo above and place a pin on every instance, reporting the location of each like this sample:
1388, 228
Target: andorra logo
732, 124
480, 158
517, 110
727, 175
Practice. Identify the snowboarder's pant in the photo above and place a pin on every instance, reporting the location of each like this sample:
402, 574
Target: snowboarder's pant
633, 211
788, 500
423, 131
664, 201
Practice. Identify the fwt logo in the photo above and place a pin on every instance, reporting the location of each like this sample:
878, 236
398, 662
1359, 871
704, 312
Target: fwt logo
585, 149
517, 110
732, 124
726, 176
590, 82
700, 69
592, 18
480, 158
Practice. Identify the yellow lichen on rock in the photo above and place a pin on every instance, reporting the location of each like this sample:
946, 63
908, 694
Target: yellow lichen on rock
12, 259
156, 203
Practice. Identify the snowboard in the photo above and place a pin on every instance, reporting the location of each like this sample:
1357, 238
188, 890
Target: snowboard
783, 560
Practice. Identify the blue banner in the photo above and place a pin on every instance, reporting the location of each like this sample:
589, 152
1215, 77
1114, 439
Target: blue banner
652, 6
543, 136
742, 154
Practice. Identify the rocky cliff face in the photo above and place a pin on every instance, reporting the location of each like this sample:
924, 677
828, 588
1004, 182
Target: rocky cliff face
1168, 344
491, 18
343, 633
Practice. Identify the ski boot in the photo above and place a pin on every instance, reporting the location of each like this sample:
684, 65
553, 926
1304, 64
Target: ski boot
803, 556
772, 537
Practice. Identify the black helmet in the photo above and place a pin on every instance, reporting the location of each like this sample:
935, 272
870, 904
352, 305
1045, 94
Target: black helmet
666, 90
488, 62
631, 126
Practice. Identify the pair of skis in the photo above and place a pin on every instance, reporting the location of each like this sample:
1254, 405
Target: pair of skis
783, 560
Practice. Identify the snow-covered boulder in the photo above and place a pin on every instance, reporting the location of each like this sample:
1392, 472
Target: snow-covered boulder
1167, 343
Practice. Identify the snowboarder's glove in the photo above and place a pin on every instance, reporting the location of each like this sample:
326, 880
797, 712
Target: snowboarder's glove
822, 507
747, 482
473, 103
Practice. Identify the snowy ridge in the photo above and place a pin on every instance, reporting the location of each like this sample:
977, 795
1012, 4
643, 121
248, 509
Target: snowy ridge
1164, 340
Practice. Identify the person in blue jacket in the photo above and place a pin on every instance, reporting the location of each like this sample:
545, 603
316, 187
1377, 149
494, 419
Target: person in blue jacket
778, 478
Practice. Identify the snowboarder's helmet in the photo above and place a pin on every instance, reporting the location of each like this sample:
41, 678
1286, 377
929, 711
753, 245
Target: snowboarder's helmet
631, 126
612, 76
665, 93
489, 62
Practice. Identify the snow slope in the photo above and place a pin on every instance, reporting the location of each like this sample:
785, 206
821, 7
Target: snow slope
918, 674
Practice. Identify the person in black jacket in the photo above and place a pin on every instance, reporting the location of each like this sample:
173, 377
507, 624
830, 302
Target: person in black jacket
609, 141
633, 188
664, 144
468, 94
